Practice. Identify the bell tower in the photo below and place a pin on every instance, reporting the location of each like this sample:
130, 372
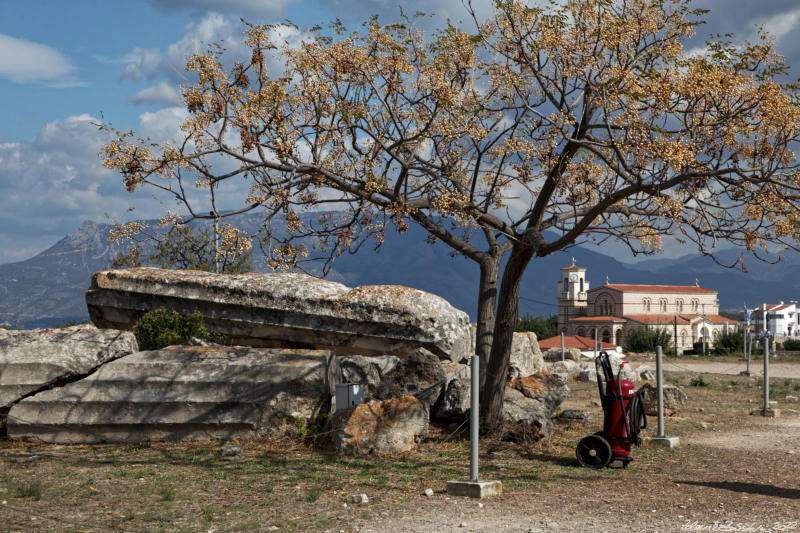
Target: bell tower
572, 295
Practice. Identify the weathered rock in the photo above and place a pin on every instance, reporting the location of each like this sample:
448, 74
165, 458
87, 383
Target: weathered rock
526, 358
554, 354
574, 415
563, 367
645, 373
453, 370
276, 310
33, 360
586, 372
230, 451
524, 419
542, 387
419, 374
380, 427
455, 401
529, 404
183, 393
369, 371
563, 377
674, 398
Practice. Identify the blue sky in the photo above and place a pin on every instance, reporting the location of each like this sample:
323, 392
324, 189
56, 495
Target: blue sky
64, 64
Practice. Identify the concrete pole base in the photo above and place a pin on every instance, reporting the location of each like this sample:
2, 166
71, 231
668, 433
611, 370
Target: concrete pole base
475, 489
768, 413
666, 442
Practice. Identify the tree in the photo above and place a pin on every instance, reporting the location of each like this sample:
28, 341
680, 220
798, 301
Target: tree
539, 129
645, 339
543, 327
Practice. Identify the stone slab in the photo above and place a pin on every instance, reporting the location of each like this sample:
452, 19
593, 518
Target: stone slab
475, 489
182, 393
767, 413
32, 360
666, 442
287, 309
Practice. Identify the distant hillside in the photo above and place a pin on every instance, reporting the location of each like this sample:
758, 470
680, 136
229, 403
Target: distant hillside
48, 289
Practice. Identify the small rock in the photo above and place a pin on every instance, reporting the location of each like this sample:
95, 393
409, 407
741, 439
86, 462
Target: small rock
230, 451
480, 506
790, 398
596, 403
462, 524
428, 492
574, 415
704, 425
701, 409
359, 498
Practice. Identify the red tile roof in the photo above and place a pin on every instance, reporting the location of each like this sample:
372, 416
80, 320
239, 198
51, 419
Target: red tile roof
600, 318
682, 319
573, 267
657, 288
575, 341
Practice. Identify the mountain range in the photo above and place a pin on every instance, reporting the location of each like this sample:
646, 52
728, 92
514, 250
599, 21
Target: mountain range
48, 289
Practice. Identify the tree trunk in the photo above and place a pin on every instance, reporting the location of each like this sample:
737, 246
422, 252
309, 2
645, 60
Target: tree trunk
494, 387
487, 302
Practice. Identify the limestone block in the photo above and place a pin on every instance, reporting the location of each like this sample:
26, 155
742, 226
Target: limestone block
380, 427
32, 360
182, 393
280, 309
543, 387
674, 398
455, 401
369, 371
524, 419
554, 354
526, 358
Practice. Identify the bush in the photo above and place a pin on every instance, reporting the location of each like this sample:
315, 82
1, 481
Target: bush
791, 345
543, 327
645, 339
160, 328
729, 341
698, 381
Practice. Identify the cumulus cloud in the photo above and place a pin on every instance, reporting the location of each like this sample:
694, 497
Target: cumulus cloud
163, 93
24, 61
150, 64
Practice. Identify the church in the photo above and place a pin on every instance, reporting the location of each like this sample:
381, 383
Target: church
689, 313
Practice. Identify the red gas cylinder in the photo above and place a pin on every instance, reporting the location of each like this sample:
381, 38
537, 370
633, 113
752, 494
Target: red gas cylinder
616, 419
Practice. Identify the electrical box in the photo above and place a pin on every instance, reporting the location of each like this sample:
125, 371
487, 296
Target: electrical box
348, 395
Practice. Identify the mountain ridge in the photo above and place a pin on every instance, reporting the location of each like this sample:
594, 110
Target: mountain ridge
48, 288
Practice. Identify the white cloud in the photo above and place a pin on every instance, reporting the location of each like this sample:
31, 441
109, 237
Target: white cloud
149, 64
140, 63
24, 61
163, 93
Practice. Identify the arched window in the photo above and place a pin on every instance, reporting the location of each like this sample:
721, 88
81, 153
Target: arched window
679, 306
695, 305
606, 336
618, 340
662, 305
646, 305
581, 284
605, 308
580, 332
683, 338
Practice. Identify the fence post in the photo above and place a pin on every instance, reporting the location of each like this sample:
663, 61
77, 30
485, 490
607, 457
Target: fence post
473, 419
660, 385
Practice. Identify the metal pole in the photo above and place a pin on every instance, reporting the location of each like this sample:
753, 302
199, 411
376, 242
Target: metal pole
660, 385
703, 326
766, 373
562, 345
746, 350
473, 420
595, 344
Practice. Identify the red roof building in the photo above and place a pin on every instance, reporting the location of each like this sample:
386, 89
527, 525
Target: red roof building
689, 313
574, 341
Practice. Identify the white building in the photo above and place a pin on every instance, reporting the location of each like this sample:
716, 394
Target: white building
782, 319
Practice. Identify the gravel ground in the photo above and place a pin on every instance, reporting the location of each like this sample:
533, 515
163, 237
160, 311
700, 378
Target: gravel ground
776, 370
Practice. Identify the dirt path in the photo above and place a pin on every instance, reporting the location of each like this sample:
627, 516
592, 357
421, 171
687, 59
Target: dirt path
776, 370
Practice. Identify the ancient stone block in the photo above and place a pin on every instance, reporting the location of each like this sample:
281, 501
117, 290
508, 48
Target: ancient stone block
183, 393
32, 360
279, 310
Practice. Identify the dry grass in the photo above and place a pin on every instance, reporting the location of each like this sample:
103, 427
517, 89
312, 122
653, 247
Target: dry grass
190, 487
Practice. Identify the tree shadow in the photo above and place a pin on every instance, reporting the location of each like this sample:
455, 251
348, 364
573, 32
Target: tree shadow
751, 488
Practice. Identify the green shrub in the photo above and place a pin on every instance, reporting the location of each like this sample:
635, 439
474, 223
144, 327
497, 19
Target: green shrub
645, 339
791, 345
543, 327
729, 341
32, 490
698, 381
160, 328
698, 348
